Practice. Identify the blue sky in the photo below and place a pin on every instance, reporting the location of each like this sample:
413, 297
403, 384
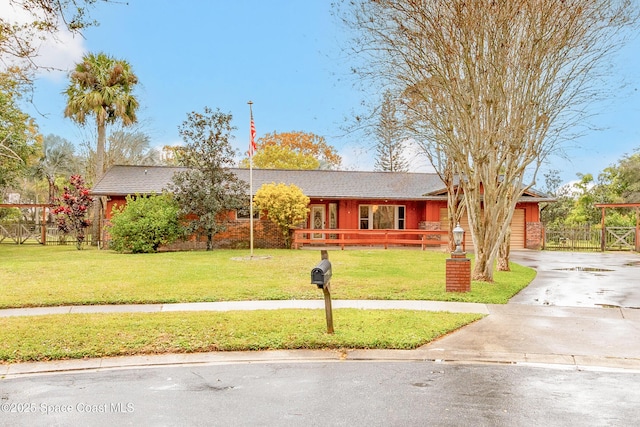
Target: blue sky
286, 56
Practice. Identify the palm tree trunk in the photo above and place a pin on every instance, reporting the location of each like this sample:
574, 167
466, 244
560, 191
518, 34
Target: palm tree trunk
102, 136
97, 206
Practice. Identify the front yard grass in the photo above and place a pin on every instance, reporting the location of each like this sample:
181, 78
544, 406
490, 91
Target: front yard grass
32, 276
37, 275
75, 336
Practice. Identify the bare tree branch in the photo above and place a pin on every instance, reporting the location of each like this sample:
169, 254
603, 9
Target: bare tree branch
490, 87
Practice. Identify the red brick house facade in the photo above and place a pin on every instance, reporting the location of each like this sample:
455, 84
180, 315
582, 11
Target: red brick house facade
339, 200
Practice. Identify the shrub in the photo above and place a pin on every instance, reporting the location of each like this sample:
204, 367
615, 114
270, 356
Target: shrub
72, 209
144, 224
285, 205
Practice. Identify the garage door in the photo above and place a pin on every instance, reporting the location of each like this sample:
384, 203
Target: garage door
517, 228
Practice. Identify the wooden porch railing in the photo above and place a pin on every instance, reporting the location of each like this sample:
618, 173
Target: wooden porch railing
342, 237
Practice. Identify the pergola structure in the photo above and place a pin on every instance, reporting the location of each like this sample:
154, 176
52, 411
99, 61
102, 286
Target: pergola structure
604, 206
43, 206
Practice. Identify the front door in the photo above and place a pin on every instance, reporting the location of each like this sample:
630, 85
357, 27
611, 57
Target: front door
317, 220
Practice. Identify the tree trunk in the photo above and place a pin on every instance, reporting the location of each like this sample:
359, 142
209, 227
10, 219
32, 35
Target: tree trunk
52, 190
482, 270
504, 252
97, 207
102, 136
490, 213
288, 237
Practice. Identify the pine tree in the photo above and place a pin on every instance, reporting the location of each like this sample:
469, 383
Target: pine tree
390, 138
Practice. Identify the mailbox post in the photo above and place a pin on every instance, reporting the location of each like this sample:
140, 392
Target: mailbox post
321, 277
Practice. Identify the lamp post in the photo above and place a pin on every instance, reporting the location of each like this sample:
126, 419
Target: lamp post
458, 272
458, 235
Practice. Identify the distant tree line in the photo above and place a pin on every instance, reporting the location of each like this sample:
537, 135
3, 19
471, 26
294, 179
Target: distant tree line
618, 183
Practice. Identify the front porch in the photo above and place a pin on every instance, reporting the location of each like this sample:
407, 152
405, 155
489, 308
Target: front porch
378, 237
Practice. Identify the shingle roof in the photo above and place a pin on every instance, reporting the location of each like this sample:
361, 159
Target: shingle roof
349, 184
124, 180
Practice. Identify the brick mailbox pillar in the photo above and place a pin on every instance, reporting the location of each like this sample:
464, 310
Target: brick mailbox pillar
458, 273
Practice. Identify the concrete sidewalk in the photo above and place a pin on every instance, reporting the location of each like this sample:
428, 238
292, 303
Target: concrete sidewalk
454, 307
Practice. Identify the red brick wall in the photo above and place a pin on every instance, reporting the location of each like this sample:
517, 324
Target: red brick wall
265, 235
431, 225
534, 235
458, 274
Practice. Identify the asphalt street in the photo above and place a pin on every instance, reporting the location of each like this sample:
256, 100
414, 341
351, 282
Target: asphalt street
338, 393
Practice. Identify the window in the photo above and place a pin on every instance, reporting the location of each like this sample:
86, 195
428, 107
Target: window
364, 217
376, 217
244, 213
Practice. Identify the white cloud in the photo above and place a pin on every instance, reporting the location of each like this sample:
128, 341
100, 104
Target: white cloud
60, 53
356, 158
56, 53
363, 159
418, 161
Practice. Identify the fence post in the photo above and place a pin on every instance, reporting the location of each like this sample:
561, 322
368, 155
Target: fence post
603, 235
43, 226
637, 229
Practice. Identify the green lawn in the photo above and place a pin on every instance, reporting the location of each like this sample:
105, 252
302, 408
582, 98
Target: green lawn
74, 336
61, 275
32, 276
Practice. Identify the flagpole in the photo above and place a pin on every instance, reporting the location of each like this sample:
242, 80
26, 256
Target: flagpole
251, 149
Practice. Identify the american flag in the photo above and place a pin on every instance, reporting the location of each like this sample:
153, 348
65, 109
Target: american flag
252, 143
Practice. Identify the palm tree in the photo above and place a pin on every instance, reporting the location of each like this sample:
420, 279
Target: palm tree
58, 158
101, 86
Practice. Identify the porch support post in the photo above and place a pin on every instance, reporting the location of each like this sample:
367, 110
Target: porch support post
603, 235
637, 229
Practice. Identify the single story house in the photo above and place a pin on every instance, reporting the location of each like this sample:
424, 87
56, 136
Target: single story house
339, 200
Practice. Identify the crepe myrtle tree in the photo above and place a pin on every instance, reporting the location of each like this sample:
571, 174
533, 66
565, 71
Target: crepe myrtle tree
491, 88
72, 209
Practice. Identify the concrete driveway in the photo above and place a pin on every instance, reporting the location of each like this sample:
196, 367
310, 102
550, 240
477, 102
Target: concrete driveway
581, 279
579, 310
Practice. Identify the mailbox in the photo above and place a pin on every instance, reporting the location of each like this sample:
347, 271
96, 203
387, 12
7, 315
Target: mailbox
321, 273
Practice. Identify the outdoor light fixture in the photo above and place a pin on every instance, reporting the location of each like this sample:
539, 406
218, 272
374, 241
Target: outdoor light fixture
458, 273
458, 234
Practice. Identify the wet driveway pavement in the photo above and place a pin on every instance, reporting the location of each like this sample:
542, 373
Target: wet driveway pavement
581, 279
580, 310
